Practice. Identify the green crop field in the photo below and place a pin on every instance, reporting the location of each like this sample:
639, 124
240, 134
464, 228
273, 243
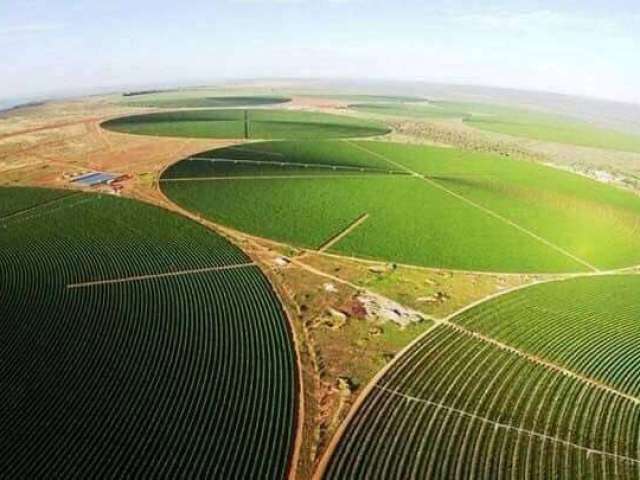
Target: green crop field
596, 333
550, 128
260, 124
414, 110
456, 405
512, 121
371, 98
176, 363
178, 101
450, 209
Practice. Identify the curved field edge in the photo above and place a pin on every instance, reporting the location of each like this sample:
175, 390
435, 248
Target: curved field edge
549, 220
175, 100
245, 124
294, 459
102, 211
451, 322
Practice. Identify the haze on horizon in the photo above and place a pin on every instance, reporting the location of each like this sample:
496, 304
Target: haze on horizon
587, 48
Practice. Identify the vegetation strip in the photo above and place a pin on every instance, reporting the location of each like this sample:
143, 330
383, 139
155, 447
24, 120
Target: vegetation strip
292, 164
160, 275
261, 152
269, 177
480, 207
505, 426
339, 236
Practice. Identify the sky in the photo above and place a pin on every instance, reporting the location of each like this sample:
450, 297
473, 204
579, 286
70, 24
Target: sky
586, 47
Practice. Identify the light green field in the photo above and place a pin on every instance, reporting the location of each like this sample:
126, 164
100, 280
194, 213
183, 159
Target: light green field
512, 121
414, 110
470, 212
261, 124
456, 405
370, 98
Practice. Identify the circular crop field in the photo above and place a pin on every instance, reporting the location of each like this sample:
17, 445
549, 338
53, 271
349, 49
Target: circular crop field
136, 349
249, 124
435, 207
178, 100
542, 382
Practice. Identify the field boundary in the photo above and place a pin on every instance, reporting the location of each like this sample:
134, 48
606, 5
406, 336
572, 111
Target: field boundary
232, 236
480, 207
139, 278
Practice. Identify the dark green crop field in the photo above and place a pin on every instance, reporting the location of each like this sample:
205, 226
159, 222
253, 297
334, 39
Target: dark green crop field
596, 333
260, 124
427, 206
175, 362
175, 100
458, 405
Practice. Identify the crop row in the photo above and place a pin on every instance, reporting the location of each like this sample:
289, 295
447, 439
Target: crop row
589, 325
15, 200
101, 237
455, 406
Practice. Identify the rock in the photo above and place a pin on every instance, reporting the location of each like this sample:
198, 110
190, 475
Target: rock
330, 288
375, 331
282, 261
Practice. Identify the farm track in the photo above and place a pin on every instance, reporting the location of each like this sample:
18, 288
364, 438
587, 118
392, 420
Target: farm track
478, 206
53, 126
340, 235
